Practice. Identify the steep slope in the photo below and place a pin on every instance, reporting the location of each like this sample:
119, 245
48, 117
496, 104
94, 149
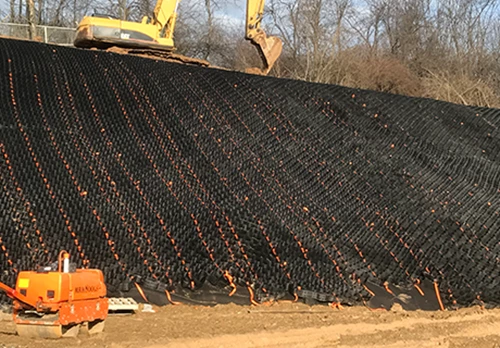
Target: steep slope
190, 179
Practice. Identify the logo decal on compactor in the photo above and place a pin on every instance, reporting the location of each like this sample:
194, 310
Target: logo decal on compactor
87, 288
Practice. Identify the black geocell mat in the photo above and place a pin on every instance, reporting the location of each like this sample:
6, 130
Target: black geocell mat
182, 178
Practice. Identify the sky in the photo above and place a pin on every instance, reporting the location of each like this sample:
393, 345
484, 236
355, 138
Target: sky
233, 10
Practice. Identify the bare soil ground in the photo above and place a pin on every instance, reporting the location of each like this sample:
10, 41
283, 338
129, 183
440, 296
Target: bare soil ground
282, 325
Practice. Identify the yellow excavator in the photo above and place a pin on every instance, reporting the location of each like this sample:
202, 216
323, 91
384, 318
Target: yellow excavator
154, 36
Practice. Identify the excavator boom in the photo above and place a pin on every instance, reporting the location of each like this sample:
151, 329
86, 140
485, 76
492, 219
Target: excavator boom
165, 16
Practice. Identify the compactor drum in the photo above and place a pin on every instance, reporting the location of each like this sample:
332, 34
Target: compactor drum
56, 301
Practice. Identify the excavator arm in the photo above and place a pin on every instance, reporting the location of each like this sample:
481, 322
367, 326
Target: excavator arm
269, 47
165, 16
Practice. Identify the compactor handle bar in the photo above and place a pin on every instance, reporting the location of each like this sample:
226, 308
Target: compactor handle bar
15, 295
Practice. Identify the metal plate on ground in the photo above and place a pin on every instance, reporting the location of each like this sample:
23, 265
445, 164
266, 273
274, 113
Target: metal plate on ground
122, 304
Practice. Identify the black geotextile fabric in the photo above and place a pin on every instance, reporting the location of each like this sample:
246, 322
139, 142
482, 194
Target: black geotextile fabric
187, 176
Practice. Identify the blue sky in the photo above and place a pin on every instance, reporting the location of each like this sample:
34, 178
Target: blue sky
234, 9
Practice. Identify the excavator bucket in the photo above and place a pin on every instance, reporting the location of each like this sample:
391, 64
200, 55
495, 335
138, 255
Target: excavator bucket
269, 50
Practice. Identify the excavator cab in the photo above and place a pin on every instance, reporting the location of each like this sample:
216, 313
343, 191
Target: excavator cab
153, 37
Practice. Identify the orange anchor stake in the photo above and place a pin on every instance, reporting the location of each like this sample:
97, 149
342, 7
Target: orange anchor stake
481, 302
169, 298
337, 305
252, 298
368, 290
386, 287
438, 296
419, 289
268, 303
141, 292
231, 283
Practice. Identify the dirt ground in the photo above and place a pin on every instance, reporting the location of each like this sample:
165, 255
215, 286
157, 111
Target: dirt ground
281, 325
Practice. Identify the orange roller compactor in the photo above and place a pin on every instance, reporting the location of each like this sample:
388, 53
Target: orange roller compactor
53, 303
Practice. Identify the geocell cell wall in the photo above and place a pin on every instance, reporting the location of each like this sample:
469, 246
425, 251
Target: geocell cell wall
184, 174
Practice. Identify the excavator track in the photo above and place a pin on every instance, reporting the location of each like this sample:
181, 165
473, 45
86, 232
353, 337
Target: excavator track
167, 56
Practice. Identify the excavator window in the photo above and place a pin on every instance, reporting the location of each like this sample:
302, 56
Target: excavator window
104, 15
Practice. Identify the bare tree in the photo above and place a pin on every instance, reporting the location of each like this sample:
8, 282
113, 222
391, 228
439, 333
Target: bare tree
123, 9
201, 32
30, 9
59, 8
145, 8
209, 8
20, 12
12, 16
41, 4
312, 34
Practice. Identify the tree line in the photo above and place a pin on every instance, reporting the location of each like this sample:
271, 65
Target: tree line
442, 49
